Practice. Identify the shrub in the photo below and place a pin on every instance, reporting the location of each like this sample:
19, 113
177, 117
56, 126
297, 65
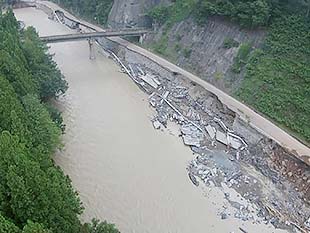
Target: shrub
242, 57
230, 43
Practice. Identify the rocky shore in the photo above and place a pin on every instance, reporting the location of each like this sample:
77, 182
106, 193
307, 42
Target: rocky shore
269, 183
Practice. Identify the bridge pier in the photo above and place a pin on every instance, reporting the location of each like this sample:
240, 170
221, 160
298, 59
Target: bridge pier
91, 42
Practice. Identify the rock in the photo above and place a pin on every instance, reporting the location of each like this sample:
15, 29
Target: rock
191, 135
221, 137
211, 131
156, 124
234, 142
166, 94
307, 223
148, 78
224, 216
190, 141
193, 179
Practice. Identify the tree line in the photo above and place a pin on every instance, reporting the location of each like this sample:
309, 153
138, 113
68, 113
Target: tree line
247, 13
35, 195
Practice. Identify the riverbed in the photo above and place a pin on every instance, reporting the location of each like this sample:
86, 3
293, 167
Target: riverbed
125, 171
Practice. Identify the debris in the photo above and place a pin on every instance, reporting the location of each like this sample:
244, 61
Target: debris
193, 179
221, 137
307, 223
242, 230
122, 65
156, 81
156, 124
131, 70
224, 216
149, 80
166, 94
140, 70
177, 111
191, 136
238, 138
221, 123
211, 131
195, 115
233, 142
180, 92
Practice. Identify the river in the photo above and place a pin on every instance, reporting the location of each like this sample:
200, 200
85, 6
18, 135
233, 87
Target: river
125, 171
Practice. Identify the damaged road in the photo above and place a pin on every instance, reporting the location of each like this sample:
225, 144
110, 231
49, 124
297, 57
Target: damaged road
262, 181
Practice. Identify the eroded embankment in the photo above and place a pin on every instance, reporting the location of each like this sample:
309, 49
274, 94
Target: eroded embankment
236, 155
260, 170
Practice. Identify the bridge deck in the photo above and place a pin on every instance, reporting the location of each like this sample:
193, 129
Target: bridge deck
83, 36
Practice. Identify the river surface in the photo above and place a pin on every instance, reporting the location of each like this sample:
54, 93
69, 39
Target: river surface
125, 171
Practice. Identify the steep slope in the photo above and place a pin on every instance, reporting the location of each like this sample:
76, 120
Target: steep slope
132, 13
204, 50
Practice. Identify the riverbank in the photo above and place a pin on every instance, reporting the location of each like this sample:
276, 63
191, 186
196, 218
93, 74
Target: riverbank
171, 80
258, 122
125, 171
253, 165
275, 164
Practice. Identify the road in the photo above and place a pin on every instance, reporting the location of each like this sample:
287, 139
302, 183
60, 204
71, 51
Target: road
257, 121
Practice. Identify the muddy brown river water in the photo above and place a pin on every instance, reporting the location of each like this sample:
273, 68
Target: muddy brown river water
125, 171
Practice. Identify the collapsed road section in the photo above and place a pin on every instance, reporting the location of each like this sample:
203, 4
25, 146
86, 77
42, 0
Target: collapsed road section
270, 183
230, 154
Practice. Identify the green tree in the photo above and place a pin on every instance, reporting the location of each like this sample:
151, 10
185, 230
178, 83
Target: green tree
45, 73
44, 132
30, 193
99, 227
11, 111
34, 228
7, 226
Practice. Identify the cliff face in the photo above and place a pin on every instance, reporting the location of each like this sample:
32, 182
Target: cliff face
201, 49
131, 13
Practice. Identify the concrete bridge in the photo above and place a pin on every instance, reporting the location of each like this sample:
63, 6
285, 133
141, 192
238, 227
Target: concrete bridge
93, 35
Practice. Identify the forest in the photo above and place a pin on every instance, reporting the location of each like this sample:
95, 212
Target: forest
35, 195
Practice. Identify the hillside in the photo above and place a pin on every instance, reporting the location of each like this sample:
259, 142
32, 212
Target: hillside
257, 51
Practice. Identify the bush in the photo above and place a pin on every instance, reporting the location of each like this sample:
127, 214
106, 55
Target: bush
177, 47
230, 43
277, 80
242, 57
99, 227
161, 45
187, 52
159, 14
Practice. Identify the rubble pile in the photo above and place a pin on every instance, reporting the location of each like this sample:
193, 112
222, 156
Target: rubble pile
226, 159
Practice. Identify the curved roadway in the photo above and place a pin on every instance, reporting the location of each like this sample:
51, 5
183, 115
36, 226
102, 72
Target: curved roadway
257, 121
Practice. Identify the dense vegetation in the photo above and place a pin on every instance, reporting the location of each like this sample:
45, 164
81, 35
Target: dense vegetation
96, 11
277, 81
248, 13
35, 195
